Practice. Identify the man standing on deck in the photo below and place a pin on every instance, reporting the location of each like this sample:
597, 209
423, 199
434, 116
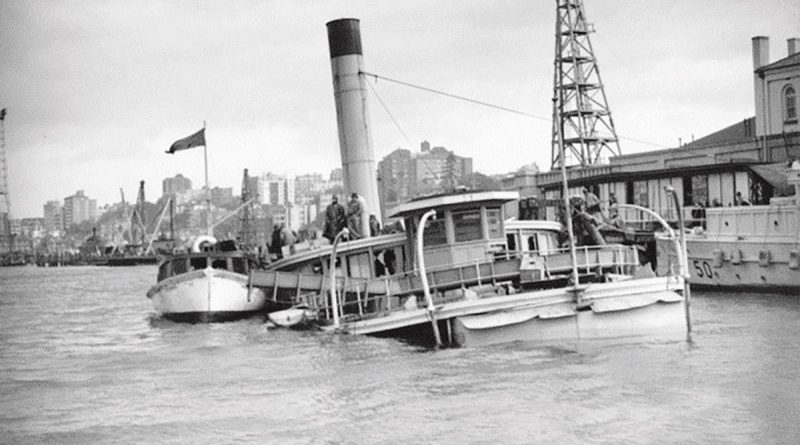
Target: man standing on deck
354, 211
335, 219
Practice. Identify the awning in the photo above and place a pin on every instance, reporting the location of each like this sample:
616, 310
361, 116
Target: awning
775, 174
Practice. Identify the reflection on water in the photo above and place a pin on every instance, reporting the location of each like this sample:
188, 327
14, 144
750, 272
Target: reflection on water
83, 359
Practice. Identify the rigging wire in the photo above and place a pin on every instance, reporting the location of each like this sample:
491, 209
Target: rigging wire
485, 104
455, 96
397, 124
391, 116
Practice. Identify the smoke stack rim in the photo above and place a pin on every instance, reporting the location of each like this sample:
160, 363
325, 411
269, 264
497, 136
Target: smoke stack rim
344, 37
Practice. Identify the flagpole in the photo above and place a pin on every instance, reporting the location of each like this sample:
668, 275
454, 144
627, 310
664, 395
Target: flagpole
209, 230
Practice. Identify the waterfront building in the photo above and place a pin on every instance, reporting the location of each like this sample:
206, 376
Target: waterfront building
53, 217
776, 86
79, 208
31, 227
308, 187
403, 175
275, 189
711, 170
175, 185
336, 179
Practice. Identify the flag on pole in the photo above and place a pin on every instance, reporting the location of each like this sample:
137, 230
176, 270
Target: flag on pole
194, 140
3, 114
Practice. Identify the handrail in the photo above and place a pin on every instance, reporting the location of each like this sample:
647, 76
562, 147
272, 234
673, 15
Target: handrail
626, 258
425, 288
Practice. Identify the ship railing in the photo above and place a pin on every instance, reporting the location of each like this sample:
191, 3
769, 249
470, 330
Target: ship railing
635, 217
361, 298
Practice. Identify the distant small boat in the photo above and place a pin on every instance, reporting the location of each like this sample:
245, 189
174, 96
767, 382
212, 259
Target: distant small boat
206, 284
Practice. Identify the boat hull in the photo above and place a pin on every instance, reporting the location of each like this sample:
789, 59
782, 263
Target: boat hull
206, 295
651, 308
295, 317
736, 264
664, 321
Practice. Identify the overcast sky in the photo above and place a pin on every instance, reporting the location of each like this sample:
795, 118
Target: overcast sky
96, 91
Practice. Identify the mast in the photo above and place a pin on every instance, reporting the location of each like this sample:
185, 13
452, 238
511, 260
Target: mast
209, 228
5, 200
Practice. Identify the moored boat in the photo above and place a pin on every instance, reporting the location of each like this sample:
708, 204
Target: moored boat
489, 281
207, 283
744, 246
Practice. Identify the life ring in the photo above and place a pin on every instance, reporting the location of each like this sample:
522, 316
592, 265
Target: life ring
202, 242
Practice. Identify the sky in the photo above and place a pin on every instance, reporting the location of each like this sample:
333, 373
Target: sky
96, 91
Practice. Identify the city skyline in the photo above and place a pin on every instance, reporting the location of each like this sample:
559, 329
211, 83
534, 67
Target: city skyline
97, 92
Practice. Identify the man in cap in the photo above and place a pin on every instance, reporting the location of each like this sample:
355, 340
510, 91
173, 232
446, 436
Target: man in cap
335, 219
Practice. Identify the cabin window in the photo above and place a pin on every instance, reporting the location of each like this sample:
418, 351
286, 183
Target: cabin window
494, 221
240, 265
789, 105
220, 263
435, 232
640, 195
467, 225
533, 244
700, 190
511, 241
197, 263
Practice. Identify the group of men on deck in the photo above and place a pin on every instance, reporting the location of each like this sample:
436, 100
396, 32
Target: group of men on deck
337, 218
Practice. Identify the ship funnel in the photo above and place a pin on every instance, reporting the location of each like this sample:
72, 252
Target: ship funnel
350, 94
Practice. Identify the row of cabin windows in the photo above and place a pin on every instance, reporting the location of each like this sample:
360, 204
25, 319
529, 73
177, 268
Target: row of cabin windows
182, 265
467, 226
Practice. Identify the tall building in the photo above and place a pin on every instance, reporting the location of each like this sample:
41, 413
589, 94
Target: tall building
308, 187
776, 86
176, 185
53, 217
403, 175
396, 178
79, 208
276, 189
336, 178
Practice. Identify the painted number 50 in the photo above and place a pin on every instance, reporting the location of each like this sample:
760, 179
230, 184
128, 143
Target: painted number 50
702, 269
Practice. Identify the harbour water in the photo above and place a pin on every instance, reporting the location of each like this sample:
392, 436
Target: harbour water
84, 360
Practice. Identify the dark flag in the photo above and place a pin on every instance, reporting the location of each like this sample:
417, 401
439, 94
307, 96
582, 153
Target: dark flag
3, 114
194, 140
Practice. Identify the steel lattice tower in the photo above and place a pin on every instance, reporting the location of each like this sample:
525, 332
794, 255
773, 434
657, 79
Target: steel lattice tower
579, 101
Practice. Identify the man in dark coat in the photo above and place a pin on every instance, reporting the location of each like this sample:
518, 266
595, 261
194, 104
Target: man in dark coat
354, 212
335, 219
276, 244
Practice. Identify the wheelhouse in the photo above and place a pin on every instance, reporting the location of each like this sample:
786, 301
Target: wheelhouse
180, 264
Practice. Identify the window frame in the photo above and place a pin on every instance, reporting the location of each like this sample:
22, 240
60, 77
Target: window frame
789, 107
473, 235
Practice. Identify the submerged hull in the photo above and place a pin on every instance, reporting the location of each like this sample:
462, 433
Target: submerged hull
650, 308
206, 295
661, 320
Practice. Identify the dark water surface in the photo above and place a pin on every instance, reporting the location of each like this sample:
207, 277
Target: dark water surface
84, 360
